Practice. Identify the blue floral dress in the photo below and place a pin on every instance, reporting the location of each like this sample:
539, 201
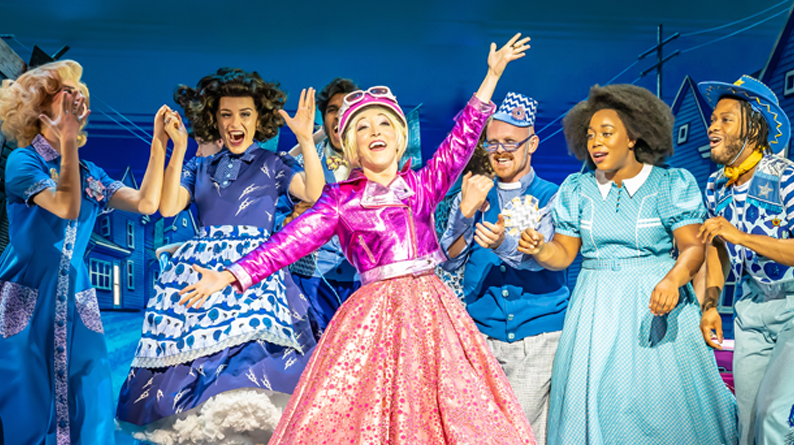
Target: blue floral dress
622, 375
54, 367
260, 339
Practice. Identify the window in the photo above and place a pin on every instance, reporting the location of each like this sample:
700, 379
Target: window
130, 234
788, 86
683, 133
130, 275
104, 226
184, 222
99, 271
116, 286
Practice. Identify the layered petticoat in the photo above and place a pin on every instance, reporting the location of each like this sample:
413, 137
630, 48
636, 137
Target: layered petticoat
403, 363
192, 365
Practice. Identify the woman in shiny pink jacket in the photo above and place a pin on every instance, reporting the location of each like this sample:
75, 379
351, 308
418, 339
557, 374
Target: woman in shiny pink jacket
401, 361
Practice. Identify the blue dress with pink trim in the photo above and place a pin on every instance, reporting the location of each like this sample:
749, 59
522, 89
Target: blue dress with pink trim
54, 367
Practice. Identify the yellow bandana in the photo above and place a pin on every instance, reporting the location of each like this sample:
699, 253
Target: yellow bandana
733, 173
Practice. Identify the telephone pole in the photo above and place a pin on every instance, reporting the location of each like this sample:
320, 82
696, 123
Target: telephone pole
660, 59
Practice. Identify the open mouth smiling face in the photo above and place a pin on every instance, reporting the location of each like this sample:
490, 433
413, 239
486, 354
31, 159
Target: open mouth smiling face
376, 139
237, 122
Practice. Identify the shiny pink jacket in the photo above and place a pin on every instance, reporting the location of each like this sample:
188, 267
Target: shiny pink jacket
385, 232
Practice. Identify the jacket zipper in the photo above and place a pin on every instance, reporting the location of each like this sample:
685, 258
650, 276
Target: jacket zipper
413, 231
366, 249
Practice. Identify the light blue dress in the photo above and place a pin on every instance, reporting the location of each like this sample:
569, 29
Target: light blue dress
54, 372
621, 374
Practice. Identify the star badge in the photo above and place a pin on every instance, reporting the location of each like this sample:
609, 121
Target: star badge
764, 190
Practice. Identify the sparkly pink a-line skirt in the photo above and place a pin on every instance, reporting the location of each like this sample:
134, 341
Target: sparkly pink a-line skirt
403, 363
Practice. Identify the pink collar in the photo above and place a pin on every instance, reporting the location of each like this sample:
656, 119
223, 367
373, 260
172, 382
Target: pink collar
44, 149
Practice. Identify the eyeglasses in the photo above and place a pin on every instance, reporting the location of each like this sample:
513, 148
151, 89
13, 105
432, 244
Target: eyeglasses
509, 147
358, 95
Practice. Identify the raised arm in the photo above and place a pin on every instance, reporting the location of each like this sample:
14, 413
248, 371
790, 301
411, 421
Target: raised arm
174, 197
64, 200
146, 200
297, 239
443, 169
306, 185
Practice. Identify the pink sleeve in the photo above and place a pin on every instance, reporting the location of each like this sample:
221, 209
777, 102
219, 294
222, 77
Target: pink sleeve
443, 169
302, 236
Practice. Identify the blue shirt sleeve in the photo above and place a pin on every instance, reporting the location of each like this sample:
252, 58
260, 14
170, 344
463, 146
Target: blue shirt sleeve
457, 225
565, 210
285, 168
189, 172
26, 176
681, 203
787, 194
110, 186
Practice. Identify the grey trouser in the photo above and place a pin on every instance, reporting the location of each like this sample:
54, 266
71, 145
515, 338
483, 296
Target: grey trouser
527, 364
763, 363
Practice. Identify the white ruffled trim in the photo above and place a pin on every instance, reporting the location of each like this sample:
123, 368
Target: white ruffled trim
238, 417
189, 356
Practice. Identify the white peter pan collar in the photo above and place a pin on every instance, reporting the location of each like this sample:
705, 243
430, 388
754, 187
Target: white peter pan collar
631, 184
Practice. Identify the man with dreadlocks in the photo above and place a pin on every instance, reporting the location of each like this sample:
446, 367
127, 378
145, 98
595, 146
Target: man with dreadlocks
751, 205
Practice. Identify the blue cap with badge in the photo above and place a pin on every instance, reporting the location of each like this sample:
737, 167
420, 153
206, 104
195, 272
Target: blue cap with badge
517, 109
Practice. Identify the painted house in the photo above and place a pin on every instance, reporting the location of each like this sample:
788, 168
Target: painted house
690, 133
778, 73
115, 257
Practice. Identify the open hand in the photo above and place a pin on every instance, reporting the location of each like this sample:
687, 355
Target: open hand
532, 242
514, 49
211, 281
664, 297
303, 122
490, 236
72, 114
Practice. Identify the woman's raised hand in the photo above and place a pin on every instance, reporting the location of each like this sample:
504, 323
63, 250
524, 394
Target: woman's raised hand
159, 124
303, 122
72, 113
513, 49
175, 129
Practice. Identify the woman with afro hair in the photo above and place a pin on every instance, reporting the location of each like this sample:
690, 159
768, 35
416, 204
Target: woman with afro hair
221, 371
631, 366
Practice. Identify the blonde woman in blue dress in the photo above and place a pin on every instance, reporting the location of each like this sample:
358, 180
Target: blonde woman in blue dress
631, 367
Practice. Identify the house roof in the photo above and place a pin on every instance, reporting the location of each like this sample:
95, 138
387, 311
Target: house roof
777, 50
703, 107
129, 179
101, 241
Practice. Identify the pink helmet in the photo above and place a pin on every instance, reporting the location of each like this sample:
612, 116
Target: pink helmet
358, 100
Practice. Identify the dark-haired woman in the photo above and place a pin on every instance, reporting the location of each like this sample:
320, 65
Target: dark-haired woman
631, 366
221, 372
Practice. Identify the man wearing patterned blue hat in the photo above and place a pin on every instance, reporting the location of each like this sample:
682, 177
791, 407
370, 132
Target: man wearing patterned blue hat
751, 226
518, 305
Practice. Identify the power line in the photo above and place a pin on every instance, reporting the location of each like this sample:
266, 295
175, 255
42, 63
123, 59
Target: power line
733, 33
727, 25
125, 127
125, 118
